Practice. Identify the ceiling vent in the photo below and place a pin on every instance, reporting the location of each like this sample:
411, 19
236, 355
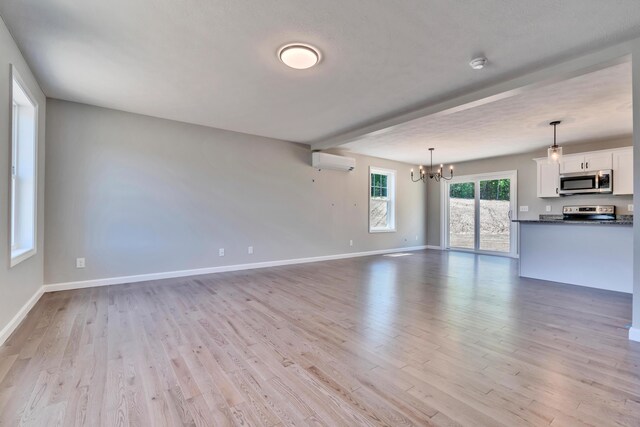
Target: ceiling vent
331, 161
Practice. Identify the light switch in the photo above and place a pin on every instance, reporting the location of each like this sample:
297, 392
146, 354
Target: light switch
524, 208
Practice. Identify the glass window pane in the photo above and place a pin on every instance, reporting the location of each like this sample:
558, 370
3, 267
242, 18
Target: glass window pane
462, 215
495, 224
378, 215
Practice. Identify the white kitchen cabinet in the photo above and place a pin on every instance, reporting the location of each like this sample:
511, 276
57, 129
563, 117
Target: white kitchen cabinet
620, 160
623, 171
548, 178
598, 161
572, 163
586, 162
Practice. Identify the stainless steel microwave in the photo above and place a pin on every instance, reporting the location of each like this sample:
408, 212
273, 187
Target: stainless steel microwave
586, 182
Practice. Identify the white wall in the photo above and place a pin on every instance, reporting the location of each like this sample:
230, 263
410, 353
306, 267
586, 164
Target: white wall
20, 283
527, 181
137, 195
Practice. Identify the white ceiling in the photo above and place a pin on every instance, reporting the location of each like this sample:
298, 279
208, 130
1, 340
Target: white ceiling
213, 62
592, 106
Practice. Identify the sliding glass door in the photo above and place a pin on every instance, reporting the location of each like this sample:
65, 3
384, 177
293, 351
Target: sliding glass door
479, 210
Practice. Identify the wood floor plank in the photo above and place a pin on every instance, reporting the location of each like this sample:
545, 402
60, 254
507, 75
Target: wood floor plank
434, 338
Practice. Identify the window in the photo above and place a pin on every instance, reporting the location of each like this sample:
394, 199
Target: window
382, 189
23, 171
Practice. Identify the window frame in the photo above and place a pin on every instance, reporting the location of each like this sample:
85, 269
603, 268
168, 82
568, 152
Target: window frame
19, 254
391, 199
14, 171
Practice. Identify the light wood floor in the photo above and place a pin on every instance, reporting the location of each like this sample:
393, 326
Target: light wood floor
427, 339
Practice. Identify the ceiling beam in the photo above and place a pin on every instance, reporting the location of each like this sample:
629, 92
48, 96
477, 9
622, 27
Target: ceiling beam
595, 61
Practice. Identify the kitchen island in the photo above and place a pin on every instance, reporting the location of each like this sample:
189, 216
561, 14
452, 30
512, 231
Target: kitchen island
597, 254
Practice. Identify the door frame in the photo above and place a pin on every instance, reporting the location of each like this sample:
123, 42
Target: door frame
476, 178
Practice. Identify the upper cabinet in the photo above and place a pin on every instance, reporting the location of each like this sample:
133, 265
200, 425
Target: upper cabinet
598, 161
548, 179
573, 163
623, 171
586, 162
620, 160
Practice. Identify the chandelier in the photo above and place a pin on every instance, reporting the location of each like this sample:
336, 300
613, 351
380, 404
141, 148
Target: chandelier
437, 175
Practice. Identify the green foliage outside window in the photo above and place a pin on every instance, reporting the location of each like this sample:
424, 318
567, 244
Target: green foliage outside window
379, 185
463, 190
495, 189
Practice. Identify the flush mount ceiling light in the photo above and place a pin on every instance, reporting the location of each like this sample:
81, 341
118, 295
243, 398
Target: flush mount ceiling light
299, 55
478, 63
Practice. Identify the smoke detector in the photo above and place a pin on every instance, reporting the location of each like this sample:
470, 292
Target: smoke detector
478, 63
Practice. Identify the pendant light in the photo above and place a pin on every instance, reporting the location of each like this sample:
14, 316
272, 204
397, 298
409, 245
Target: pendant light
554, 153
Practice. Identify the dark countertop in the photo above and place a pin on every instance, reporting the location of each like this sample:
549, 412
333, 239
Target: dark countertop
573, 221
558, 219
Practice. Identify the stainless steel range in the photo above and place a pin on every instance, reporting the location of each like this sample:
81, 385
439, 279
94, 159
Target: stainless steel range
594, 212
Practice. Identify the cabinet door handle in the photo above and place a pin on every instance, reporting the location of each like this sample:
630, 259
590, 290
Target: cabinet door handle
587, 165
582, 165
556, 190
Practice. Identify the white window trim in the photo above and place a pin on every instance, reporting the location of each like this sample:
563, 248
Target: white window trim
16, 255
14, 166
391, 193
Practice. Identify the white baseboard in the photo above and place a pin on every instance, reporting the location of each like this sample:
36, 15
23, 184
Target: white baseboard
209, 270
6, 332
634, 334
434, 247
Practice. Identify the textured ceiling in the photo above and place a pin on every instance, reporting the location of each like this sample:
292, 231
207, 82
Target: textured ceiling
593, 106
213, 62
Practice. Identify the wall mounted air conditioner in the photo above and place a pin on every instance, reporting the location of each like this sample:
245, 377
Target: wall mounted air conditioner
331, 161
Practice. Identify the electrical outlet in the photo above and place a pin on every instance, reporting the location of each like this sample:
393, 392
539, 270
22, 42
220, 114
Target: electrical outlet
416, 237
80, 263
548, 208
630, 207
250, 250
221, 252
350, 242
524, 208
